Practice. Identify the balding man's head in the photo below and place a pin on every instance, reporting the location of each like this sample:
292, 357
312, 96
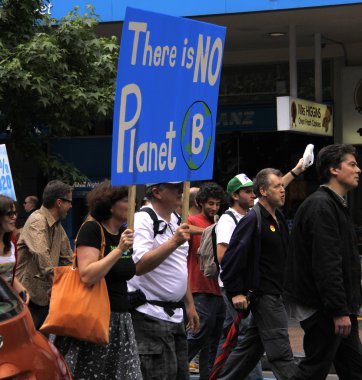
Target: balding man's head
193, 208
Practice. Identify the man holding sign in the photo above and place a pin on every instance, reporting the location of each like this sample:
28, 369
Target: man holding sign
161, 267
164, 132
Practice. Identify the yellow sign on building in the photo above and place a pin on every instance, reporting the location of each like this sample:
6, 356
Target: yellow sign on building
304, 116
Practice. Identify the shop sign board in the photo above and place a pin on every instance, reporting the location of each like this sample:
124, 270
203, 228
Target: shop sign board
6, 179
166, 99
298, 115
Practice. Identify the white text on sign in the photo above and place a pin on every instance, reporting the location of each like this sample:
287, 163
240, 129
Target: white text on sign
207, 63
150, 156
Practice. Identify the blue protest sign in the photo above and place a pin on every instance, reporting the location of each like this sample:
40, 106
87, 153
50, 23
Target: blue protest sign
166, 99
6, 180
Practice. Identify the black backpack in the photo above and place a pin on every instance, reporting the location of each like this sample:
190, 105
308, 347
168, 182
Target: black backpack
157, 230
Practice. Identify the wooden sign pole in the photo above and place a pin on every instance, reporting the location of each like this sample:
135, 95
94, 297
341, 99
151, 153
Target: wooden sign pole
131, 206
185, 201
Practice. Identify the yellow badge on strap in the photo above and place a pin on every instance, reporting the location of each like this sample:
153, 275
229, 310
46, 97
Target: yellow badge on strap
272, 228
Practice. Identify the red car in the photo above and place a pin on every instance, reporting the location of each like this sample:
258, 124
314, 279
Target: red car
25, 354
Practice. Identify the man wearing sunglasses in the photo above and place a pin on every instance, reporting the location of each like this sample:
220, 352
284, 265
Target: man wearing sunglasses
42, 245
160, 255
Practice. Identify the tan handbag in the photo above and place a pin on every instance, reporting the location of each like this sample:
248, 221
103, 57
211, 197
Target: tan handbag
76, 310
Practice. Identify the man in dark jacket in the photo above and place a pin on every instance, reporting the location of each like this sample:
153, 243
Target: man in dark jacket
254, 261
323, 276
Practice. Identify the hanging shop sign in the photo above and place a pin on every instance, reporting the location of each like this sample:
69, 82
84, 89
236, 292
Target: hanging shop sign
298, 115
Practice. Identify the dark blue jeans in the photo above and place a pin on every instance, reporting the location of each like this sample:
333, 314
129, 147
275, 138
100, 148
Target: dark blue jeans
211, 310
230, 315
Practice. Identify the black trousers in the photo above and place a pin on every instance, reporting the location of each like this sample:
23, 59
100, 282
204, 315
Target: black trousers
322, 348
38, 313
267, 331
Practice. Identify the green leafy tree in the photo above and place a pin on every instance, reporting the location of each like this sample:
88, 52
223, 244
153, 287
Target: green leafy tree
56, 79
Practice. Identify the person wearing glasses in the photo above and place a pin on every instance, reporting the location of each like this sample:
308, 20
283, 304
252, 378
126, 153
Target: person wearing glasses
43, 245
8, 217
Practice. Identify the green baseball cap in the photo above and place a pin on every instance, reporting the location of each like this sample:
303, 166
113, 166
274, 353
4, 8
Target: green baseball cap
238, 182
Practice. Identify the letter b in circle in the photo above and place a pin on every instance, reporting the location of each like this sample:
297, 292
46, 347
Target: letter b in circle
196, 134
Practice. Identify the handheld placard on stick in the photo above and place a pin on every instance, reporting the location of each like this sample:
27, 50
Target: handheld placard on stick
131, 206
185, 201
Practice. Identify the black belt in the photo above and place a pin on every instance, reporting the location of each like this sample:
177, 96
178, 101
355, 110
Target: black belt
168, 306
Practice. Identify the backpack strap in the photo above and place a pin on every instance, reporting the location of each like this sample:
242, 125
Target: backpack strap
214, 246
13, 240
178, 218
213, 237
103, 241
258, 218
231, 214
156, 222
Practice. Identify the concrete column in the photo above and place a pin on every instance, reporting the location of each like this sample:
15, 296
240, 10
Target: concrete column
293, 89
318, 92
338, 65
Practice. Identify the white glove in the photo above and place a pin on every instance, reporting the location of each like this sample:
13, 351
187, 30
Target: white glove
308, 156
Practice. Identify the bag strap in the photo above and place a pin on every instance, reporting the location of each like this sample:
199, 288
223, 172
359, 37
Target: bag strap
103, 241
156, 222
213, 236
258, 217
230, 213
13, 240
214, 245
179, 220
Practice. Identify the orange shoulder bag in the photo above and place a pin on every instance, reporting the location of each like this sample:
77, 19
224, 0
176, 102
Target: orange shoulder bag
77, 310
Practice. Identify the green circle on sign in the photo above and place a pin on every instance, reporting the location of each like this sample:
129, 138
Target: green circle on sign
196, 134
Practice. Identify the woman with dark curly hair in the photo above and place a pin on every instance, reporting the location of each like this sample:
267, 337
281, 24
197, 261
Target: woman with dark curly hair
108, 207
8, 215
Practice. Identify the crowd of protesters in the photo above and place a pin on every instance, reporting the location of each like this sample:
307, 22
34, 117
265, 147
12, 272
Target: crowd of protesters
165, 311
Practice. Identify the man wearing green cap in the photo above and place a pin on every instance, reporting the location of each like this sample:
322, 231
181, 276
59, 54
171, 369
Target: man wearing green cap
241, 199
253, 273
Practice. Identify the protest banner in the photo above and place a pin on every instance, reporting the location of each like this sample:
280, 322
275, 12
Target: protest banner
6, 179
166, 99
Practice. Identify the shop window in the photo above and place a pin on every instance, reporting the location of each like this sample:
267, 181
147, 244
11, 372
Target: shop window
262, 83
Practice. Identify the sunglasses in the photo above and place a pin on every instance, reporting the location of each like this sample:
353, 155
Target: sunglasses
12, 214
